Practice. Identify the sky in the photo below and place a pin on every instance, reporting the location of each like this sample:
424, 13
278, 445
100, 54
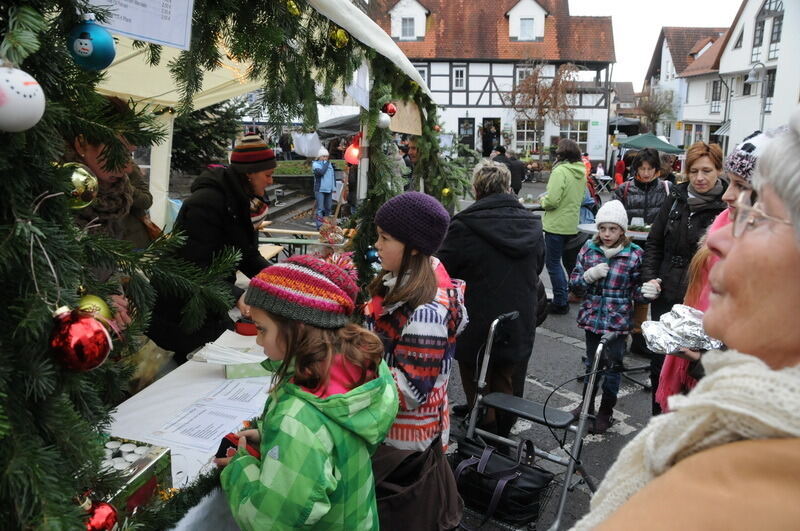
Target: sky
637, 24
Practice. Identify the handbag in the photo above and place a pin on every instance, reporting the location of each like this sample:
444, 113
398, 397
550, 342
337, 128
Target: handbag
153, 230
512, 490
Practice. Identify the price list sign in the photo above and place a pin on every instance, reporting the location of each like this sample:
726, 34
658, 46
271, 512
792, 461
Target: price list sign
165, 22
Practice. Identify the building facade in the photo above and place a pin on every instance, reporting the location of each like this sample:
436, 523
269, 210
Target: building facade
472, 56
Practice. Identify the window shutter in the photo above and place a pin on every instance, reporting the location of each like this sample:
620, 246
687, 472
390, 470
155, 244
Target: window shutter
708, 90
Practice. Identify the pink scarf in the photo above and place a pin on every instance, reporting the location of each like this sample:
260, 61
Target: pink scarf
675, 372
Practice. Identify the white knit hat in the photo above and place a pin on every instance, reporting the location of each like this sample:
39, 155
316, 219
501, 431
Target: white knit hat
612, 212
322, 152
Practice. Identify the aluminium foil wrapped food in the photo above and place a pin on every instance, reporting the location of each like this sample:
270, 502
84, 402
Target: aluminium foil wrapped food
682, 327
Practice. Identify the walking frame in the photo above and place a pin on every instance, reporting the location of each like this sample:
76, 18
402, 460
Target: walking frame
538, 413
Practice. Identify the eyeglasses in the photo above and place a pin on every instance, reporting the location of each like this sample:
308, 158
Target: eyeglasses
747, 216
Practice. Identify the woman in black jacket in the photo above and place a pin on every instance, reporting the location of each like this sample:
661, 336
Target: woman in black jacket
221, 212
497, 248
643, 195
683, 219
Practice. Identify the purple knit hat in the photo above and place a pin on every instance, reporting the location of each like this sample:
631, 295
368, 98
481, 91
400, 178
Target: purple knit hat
305, 288
416, 219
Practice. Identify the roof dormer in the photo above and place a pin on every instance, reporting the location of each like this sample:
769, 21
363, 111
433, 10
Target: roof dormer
526, 21
409, 19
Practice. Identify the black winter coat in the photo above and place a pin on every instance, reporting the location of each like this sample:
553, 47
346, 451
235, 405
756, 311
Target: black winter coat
497, 248
642, 200
517, 174
673, 239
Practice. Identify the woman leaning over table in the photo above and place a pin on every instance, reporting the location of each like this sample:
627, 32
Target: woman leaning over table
727, 456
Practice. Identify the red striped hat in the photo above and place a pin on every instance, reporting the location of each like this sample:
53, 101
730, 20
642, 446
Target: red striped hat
305, 288
251, 155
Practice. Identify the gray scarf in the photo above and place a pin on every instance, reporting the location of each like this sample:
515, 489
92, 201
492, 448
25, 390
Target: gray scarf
697, 200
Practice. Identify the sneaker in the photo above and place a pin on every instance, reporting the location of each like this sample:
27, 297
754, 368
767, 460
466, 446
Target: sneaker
555, 309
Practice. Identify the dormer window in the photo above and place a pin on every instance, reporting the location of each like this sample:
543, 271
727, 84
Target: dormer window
526, 21
407, 28
526, 29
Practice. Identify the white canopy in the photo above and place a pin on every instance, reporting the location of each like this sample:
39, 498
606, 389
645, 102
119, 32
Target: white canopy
129, 76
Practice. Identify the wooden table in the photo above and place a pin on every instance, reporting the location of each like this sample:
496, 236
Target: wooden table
270, 252
277, 233
298, 245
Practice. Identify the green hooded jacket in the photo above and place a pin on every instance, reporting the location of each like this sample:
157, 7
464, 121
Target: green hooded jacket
562, 202
315, 469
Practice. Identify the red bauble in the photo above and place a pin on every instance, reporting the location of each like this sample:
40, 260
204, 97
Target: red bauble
102, 516
437, 128
390, 109
79, 341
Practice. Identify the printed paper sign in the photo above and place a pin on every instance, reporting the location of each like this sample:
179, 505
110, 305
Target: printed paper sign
165, 22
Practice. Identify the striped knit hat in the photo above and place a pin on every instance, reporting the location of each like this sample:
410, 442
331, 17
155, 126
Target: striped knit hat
305, 288
251, 155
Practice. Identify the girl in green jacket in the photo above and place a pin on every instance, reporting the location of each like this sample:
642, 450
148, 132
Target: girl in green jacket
332, 403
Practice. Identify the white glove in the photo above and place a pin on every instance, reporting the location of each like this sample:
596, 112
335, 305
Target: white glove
651, 289
595, 273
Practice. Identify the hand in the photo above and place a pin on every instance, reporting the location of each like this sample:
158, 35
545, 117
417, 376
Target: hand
244, 308
651, 289
121, 316
595, 273
253, 436
685, 353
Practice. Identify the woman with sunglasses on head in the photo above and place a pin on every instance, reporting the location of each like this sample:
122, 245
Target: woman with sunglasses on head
683, 219
728, 454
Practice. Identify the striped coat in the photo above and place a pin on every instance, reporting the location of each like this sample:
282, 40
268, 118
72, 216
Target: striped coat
419, 347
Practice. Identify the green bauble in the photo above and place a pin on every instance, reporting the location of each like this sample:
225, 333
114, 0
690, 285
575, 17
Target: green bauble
292, 7
84, 186
340, 38
94, 305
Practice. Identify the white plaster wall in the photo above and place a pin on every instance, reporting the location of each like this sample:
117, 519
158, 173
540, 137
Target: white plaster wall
526, 9
698, 109
406, 9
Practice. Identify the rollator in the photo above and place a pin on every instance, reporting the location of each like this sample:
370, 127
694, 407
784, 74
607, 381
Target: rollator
555, 419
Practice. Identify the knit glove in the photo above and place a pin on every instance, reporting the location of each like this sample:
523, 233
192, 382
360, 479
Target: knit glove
651, 289
595, 273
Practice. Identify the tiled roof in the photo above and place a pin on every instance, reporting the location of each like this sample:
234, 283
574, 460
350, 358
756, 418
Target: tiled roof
681, 41
699, 45
624, 91
708, 62
469, 30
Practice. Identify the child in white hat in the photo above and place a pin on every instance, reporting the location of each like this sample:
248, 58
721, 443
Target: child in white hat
324, 185
607, 272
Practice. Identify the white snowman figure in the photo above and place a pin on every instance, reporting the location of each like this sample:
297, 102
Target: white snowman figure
21, 100
83, 45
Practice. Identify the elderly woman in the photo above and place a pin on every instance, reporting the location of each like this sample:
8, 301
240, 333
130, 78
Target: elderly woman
683, 219
497, 248
728, 455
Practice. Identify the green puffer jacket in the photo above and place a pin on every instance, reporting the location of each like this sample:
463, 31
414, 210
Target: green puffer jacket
562, 202
315, 469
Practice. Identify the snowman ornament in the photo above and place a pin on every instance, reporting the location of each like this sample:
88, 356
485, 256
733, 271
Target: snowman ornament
83, 45
22, 100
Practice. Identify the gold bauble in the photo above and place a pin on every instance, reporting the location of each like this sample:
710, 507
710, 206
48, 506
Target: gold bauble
340, 38
95, 306
292, 7
84, 186
445, 192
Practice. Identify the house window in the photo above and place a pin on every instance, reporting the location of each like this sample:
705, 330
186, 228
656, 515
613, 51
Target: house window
459, 77
523, 72
407, 28
758, 40
775, 37
739, 40
769, 89
772, 7
529, 136
716, 96
577, 130
423, 72
526, 32
747, 89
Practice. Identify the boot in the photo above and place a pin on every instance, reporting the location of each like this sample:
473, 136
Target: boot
576, 412
604, 418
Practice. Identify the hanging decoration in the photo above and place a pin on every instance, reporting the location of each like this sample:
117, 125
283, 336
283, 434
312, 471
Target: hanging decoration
84, 186
384, 120
79, 341
437, 128
291, 6
371, 256
352, 155
389, 108
21, 100
95, 306
91, 45
102, 516
339, 37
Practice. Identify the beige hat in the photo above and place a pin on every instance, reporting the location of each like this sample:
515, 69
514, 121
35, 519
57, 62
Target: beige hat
612, 212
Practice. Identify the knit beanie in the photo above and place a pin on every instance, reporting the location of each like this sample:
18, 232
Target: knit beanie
742, 160
305, 288
612, 212
416, 219
323, 152
251, 155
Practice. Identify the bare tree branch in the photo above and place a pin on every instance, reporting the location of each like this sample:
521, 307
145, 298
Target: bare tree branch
656, 105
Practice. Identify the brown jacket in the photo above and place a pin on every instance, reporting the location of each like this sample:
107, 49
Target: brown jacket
743, 485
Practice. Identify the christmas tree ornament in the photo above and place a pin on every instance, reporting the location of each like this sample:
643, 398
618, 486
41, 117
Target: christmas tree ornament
389, 108
339, 37
446, 192
371, 256
95, 306
384, 120
84, 186
91, 45
102, 516
21, 100
437, 128
352, 155
291, 6
79, 341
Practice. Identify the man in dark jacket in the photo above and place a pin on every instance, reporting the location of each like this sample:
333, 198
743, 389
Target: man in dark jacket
219, 214
517, 168
497, 248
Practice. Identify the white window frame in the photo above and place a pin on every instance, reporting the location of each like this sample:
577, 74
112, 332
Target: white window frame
758, 41
523, 36
460, 69
404, 35
423, 72
577, 130
532, 132
775, 40
522, 73
716, 97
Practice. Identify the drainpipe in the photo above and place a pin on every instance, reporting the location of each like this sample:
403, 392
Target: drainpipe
727, 114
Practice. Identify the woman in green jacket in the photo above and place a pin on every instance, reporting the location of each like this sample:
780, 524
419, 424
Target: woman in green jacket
332, 404
562, 204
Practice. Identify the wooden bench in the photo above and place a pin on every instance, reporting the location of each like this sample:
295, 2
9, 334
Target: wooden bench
290, 232
270, 252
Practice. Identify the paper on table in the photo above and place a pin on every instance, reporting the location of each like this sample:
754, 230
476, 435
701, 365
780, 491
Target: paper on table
231, 339
245, 395
199, 427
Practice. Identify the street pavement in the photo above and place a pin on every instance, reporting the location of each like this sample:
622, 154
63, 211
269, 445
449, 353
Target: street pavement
556, 358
